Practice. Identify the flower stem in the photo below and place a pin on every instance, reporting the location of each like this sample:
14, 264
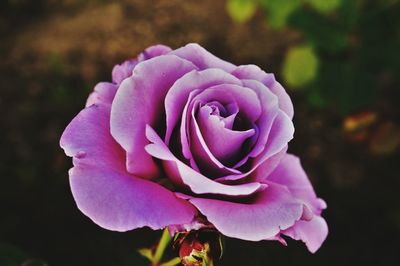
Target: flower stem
173, 262
162, 245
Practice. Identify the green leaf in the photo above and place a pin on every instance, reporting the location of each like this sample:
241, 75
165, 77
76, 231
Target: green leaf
241, 10
158, 254
300, 66
147, 253
324, 6
279, 11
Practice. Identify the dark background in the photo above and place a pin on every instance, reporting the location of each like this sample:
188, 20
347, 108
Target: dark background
52, 53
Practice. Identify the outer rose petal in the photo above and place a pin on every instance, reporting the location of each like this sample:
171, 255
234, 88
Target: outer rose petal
285, 103
103, 92
290, 173
139, 101
153, 51
254, 72
88, 140
202, 58
273, 210
313, 233
122, 202
124, 70
101, 187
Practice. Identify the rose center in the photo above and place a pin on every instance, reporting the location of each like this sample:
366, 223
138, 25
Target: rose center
224, 131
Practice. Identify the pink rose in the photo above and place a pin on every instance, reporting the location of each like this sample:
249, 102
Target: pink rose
183, 139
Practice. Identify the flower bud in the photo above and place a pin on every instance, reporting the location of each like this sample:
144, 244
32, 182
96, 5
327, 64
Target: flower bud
199, 248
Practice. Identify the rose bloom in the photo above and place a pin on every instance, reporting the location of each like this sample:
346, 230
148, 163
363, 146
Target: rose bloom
185, 140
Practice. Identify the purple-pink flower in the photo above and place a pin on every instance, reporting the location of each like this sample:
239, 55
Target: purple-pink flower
183, 139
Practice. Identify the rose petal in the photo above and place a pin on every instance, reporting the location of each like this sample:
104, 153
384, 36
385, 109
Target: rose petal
245, 98
254, 72
273, 210
202, 58
184, 131
183, 174
269, 106
88, 140
313, 233
122, 202
285, 103
202, 154
124, 70
153, 51
246, 101
280, 134
258, 172
103, 92
139, 101
224, 143
178, 95
101, 187
262, 171
290, 173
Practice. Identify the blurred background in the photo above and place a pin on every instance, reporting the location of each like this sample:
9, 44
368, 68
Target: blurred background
338, 59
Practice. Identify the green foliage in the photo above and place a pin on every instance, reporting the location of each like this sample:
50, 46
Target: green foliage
315, 98
351, 46
345, 85
241, 10
324, 6
278, 11
156, 256
300, 66
322, 32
